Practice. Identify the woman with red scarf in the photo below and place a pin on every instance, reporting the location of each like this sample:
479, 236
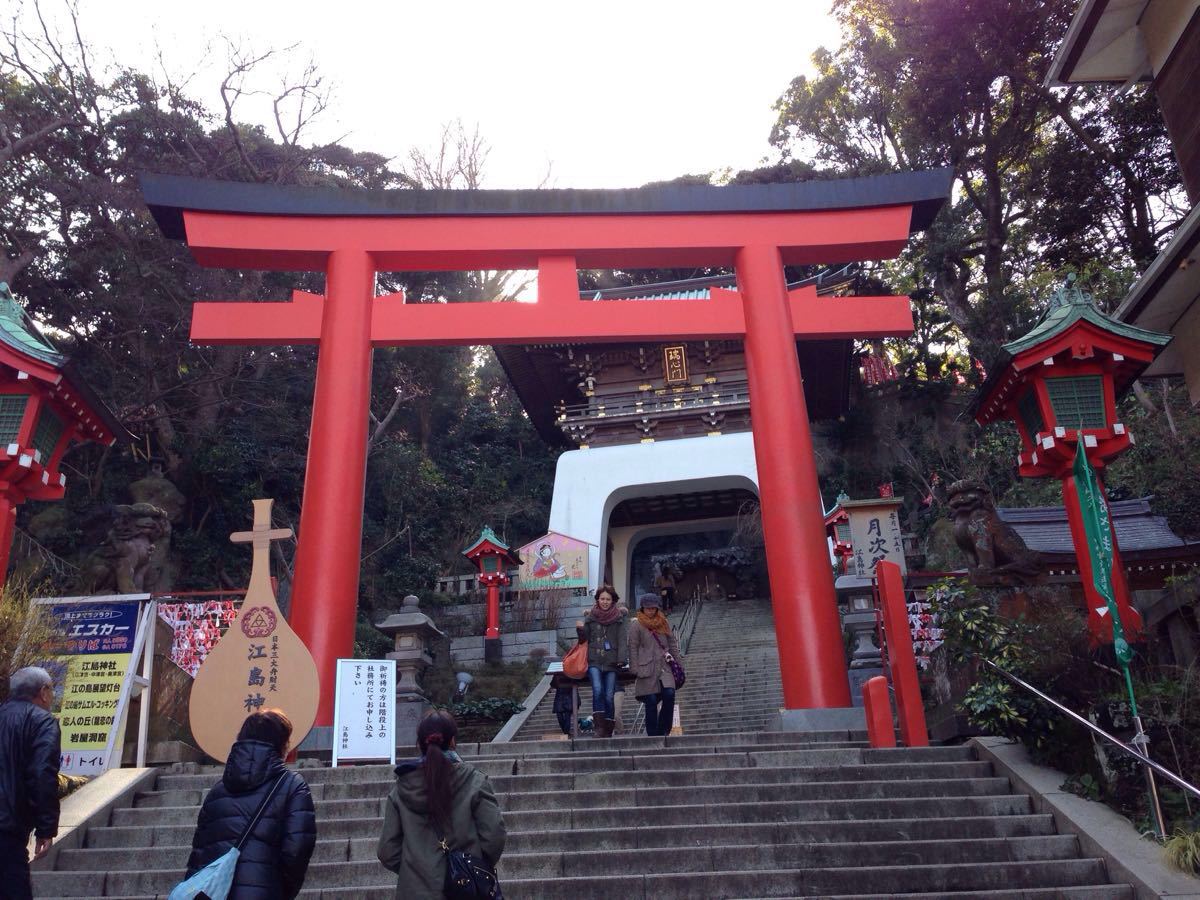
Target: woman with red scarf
604, 630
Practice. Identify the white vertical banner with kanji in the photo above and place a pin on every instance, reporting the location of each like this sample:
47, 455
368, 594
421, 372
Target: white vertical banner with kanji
364, 711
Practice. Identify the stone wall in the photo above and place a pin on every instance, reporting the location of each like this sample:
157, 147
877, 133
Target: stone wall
467, 652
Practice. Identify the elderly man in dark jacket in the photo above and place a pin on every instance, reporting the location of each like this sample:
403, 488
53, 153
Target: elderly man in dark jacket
29, 758
274, 859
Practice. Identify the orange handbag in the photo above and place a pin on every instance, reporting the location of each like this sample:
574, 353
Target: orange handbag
575, 663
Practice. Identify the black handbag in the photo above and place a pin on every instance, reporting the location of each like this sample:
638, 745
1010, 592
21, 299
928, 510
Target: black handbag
468, 878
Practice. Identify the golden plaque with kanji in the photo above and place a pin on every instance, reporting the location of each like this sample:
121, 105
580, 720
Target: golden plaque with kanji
259, 663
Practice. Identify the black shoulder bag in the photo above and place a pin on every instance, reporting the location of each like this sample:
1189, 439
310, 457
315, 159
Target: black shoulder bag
468, 878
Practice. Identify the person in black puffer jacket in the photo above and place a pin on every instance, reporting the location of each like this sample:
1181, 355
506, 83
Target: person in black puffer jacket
275, 856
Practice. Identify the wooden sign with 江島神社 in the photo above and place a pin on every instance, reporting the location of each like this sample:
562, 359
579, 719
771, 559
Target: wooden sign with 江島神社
259, 663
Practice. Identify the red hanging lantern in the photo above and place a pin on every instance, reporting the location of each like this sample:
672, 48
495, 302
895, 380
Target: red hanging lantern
1060, 386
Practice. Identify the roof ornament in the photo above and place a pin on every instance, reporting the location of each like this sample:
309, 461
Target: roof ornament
1070, 294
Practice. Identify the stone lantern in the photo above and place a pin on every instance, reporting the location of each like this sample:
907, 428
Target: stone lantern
413, 633
44, 408
1059, 384
492, 556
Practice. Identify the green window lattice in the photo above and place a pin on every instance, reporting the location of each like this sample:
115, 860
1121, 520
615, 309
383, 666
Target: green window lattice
45, 436
12, 411
843, 532
1031, 414
1077, 401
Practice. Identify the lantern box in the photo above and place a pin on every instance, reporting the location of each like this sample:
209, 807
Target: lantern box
1061, 381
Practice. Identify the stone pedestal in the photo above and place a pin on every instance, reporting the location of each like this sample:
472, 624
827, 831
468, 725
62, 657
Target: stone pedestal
413, 632
493, 650
855, 595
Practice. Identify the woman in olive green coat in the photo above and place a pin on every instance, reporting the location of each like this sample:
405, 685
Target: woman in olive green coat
604, 630
437, 796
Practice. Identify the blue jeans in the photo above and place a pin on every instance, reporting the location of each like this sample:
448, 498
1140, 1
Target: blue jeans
604, 686
659, 718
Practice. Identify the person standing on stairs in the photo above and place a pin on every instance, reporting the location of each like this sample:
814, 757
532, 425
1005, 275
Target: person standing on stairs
605, 629
652, 644
274, 858
438, 801
664, 583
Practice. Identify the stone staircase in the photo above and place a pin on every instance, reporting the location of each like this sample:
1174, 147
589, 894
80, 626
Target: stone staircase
695, 816
733, 676
715, 812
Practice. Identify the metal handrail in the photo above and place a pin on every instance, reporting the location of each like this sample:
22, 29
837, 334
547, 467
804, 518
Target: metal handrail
1095, 729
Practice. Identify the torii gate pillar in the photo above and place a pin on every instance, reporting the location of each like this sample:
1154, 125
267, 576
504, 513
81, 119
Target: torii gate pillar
755, 229
324, 607
802, 595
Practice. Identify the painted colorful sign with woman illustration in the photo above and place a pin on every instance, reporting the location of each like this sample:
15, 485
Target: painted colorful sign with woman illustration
553, 561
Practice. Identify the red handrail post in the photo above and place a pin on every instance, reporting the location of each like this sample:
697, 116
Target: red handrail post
902, 662
880, 730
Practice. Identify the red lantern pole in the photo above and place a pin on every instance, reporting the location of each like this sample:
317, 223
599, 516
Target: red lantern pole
493, 611
1099, 627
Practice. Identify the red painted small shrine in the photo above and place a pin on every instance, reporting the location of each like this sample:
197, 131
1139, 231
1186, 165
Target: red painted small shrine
1060, 386
44, 408
837, 529
755, 230
491, 555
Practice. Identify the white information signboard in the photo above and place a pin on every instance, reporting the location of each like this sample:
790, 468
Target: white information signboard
364, 711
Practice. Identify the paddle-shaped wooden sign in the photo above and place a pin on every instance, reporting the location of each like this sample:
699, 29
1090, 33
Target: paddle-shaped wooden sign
259, 663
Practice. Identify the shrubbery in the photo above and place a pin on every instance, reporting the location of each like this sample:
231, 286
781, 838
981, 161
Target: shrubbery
1049, 647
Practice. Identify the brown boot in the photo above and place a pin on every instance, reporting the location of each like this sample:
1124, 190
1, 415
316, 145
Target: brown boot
601, 725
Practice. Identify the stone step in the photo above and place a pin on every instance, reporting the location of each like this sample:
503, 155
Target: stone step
753, 870
571, 861
650, 791
621, 836
1076, 892
509, 784
815, 882
650, 813
1084, 892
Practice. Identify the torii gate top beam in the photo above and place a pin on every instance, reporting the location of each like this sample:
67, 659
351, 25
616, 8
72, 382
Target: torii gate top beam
295, 228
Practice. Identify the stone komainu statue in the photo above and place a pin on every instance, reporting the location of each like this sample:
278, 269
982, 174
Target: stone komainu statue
996, 555
129, 561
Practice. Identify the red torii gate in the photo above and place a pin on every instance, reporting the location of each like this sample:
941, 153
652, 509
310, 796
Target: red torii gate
756, 229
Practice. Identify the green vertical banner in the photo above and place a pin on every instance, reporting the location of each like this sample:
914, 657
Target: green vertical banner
1098, 528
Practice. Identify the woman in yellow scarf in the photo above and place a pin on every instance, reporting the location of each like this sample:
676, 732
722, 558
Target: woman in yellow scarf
652, 645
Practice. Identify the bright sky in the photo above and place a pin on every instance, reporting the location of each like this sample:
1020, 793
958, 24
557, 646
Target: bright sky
606, 94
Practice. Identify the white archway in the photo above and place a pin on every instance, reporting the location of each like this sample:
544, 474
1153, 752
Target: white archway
588, 484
